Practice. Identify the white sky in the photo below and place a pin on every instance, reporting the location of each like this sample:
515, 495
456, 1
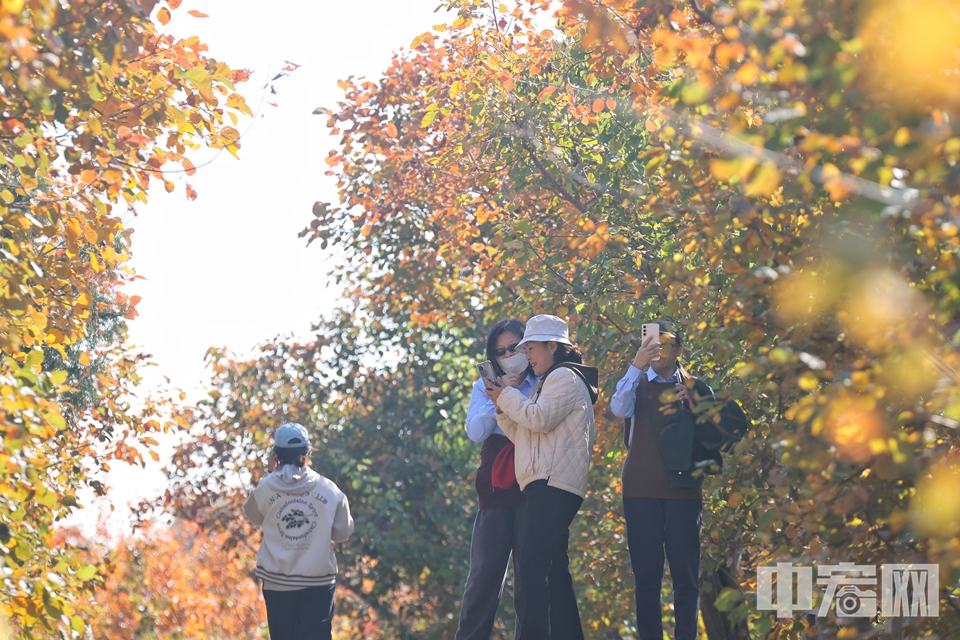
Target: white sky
228, 269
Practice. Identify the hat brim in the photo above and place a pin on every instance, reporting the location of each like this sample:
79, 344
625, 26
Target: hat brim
543, 337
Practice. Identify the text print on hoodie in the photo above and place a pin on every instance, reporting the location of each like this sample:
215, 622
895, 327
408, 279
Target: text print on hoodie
302, 515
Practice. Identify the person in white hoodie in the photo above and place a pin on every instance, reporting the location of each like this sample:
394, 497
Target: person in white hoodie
302, 514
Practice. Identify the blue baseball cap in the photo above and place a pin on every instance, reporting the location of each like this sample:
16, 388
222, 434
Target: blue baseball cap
291, 436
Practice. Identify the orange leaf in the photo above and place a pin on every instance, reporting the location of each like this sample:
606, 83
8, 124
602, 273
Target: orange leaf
174, 4
546, 93
197, 14
748, 74
611, 104
598, 105
392, 130
163, 16
188, 166
191, 193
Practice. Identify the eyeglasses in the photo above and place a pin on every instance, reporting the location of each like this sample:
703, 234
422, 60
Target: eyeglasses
502, 351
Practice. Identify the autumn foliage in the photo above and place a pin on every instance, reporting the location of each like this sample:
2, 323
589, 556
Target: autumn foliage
780, 178
96, 106
168, 582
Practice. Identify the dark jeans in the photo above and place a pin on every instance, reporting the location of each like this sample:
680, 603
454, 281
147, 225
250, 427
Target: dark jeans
304, 614
548, 608
655, 525
496, 532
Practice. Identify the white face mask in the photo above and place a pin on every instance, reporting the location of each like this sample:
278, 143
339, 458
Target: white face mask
517, 363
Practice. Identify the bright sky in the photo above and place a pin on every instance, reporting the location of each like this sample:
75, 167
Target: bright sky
228, 269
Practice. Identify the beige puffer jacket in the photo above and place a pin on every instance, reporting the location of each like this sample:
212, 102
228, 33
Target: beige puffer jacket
552, 433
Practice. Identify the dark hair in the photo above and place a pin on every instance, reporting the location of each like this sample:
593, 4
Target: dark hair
504, 326
292, 455
669, 326
568, 353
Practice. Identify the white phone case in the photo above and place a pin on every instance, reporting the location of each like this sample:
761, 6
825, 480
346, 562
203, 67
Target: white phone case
650, 329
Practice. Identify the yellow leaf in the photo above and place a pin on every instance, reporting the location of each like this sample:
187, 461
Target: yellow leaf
429, 118
39, 320
748, 74
44, 497
765, 181
902, 137
34, 358
87, 573
808, 382
724, 170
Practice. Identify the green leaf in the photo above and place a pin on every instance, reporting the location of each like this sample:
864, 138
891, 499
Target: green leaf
727, 599
428, 119
87, 573
34, 358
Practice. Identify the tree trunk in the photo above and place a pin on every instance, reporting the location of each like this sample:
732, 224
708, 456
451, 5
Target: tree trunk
716, 622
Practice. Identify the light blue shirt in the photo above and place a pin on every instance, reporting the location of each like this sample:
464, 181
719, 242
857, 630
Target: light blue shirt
624, 400
482, 413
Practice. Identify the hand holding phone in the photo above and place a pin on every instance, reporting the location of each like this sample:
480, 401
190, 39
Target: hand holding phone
487, 374
650, 331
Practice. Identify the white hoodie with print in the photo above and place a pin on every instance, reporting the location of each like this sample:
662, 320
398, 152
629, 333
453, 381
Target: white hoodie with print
302, 515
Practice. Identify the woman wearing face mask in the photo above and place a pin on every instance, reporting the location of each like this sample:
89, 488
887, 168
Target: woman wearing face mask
553, 431
496, 531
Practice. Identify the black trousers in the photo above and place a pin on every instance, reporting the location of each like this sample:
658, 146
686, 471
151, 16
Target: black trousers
548, 608
304, 614
496, 533
655, 525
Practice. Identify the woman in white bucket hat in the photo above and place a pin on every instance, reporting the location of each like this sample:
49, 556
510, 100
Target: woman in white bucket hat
553, 431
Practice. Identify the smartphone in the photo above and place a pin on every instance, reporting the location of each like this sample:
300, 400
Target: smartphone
487, 373
651, 329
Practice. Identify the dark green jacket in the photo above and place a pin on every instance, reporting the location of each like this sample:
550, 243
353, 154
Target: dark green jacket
692, 441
